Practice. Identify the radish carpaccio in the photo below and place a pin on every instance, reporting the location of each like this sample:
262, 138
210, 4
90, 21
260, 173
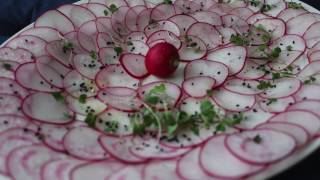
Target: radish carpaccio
159, 89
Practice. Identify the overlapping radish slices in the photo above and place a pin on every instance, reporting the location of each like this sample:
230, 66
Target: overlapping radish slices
77, 100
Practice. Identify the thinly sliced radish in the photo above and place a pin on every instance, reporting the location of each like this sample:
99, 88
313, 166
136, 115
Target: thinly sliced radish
86, 42
76, 85
118, 21
299, 24
17, 55
188, 53
92, 105
251, 71
309, 105
89, 28
28, 77
303, 118
108, 56
233, 101
77, 14
82, 142
143, 19
246, 87
55, 19
236, 22
186, 6
256, 7
162, 12
137, 36
299, 133
95, 170
162, 26
8, 68
12, 121
44, 108
314, 56
48, 73
72, 38
137, 47
198, 86
207, 33
115, 76
276, 26
242, 12
167, 36
216, 160
278, 7
256, 17
192, 105
21, 164
161, 170
311, 36
134, 65
226, 34
310, 70
216, 70
221, 8
183, 22
233, 56
284, 87
309, 92
206, 4
127, 173
55, 49
96, 8
208, 17
285, 59
104, 25
59, 169
9, 86
295, 42
290, 13
132, 16
274, 146
280, 104
46, 33
104, 40
119, 148
86, 65
33, 44
300, 64
135, 3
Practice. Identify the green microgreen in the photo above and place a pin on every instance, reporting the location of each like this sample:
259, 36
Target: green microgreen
58, 96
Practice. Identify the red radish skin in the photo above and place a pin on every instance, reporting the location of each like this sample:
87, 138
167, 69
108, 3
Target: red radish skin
162, 60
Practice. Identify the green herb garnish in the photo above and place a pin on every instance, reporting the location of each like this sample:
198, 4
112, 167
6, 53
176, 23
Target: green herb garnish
254, 3
310, 80
67, 116
129, 43
7, 66
113, 8
289, 48
94, 55
167, 2
267, 7
67, 46
271, 101
264, 85
239, 40
118, 50
295, 5
112, 127
106, 12
58, 96
90, 120
83, 98
275, 53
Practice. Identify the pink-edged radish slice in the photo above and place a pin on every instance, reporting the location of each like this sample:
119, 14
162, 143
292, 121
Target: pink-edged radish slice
276, 26
233, 101
309, 105
242, 12
107, 119
132, 16
44, 108
226, 34
295, 43
96, 170
183, 22
59, 169
86, 65
46, 33
256, 17
137, 47
124, 99
251, 71
137, 36
162, 26
256, 8
118, 21
119, 148
9, 86
309, 92
162, 12
233, 56
48, 73
78, 15
284, 87
108, 56
104, 40
28, 77
205, 4
167, 36
17, 55
216, 70
221, 8
300, 24
314, 56
82, 143
76, 85
134, 65
304, 118
246, 87
173, 91
143, 19
309, 70
311, 35
56, 50
135, 3
193, 49
276, 105
192, 105
108, 3
48, 61
161, 170
115, 76
127, 173
300, 64
186, 7
12, 121
198, 86
89, 28
72, 38
285, 59
8, 68
290, 13
86, 42
272, 146
33, 44
21, 164
104, 25
208, 17
277, 7
299, 133
217, 161
55, 19
207, 33
98, 9
191, 159
92, 105
235, 22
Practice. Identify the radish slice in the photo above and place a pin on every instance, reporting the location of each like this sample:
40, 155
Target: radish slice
308, 92
21, 164
310, 70
46, 33
198, 86
124, 124
311, 36
77, 14
59, 169
216, 70
192, 105
290, 13
207, 33
314, 56
8, 68
296, 43
118, 21
143, 19
162, 12
92, 105
226, 34
274, 146
46, 62
55, 49
219, 162
303, 118
276, 26
55, 19
135, 3
285, 59
251, 71
28, 77
104, 40
129, 172
51, 75
72, 38
160, 170
89, 28
188, 53
245, 87
208, 17
297, 132
33, 44
205, 4
137, 47
44, 108
183, 22
256, 17
235, 22
167, 36
299, 24
280, 105
137, 36
119, 148
242, 12
87, 147
162, 26
86, 65
9, 86
132, 16
108, 56
134, 65
233, 56
277, 7
284, 87
87, 42
233, 101
191, 159
12, 121
186, 6
309, 105
96, 8
221, 8
115, 76
17, 55
95, 170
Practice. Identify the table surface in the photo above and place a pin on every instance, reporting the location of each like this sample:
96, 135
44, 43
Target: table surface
307, 169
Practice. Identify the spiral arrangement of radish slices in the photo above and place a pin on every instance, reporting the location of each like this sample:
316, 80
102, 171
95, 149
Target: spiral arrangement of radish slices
71, 84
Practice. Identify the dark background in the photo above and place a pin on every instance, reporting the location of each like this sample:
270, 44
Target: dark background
16, 14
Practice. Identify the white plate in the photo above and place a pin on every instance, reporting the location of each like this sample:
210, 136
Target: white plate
275, 168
